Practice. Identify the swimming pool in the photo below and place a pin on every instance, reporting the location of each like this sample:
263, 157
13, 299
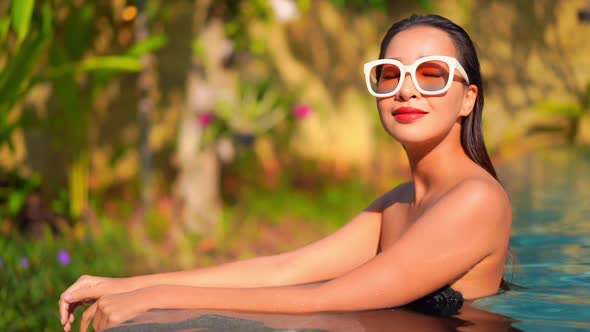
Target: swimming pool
550, 193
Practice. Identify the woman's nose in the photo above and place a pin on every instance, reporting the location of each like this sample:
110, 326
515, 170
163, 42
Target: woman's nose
408, 90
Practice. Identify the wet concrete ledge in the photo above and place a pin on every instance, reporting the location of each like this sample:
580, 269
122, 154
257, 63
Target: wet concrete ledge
470, 319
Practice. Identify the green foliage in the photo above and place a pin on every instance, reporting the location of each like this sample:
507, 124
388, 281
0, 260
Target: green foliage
4, 26
572, 112
34, 273
106, 63
34, 30
304, 5
78, 30
14, 190
260, 108
199, 50
156, 225
66, 44
380, 4
21, 17
569, 110
329, 204
18, 72
148, 45
61, 203
586, 98
427, 5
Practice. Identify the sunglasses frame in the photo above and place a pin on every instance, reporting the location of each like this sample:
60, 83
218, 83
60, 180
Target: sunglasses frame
452, 62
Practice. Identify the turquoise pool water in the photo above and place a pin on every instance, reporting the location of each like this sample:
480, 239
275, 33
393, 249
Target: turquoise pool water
550, 193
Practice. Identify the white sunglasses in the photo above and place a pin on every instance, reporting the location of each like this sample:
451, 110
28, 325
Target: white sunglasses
431, 75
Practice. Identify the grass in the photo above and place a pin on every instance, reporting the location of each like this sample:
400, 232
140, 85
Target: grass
331, 206
33, 272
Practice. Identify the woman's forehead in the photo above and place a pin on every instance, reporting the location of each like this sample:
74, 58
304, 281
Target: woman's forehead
416, 42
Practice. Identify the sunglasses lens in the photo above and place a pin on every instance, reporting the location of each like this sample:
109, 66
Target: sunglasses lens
384, 78
432, 76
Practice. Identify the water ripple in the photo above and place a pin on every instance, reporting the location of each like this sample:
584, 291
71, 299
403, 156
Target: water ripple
551, 238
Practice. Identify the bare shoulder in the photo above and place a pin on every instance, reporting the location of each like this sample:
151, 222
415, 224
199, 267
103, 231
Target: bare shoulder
484, 196
398, 194
483, 188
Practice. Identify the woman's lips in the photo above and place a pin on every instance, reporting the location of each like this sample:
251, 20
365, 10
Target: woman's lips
408, 114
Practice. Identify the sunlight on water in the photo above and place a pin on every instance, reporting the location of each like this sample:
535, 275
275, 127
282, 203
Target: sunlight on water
550, 192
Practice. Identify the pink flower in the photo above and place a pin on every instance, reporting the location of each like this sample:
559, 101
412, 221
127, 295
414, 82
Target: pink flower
205, 119
301, 111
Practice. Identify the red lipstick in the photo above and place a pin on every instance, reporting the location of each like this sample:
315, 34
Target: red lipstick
408, 114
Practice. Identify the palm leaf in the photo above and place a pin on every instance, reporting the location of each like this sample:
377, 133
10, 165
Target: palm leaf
21, 12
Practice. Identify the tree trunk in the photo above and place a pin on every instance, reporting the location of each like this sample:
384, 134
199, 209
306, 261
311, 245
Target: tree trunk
197, 184
573, 129
146, 83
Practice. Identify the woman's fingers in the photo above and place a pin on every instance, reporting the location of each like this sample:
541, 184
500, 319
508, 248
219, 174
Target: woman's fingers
71, 308
64, 305
83, 295
63, 310
87, 317
68, 324
71, 317
100, 321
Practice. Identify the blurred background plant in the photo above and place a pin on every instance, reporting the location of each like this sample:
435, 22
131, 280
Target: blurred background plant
572, 112
183, 133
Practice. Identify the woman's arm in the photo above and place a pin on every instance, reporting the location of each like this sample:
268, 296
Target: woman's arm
349, 247
467, 225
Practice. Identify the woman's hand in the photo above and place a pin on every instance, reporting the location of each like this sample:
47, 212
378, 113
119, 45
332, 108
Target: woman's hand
85, 291
113, 309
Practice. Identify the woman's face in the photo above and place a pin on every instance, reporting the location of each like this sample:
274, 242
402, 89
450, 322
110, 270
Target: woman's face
440, 112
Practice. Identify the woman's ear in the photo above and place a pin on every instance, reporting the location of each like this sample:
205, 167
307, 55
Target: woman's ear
469, 100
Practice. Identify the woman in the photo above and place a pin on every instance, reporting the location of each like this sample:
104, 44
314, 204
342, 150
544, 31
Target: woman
445, 232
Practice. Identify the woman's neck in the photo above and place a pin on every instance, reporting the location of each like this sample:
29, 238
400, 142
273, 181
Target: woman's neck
436, 165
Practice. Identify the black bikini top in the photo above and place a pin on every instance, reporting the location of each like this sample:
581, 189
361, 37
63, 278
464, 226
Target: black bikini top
442, 302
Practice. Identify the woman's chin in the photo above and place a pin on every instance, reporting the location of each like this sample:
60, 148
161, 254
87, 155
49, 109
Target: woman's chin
406, 137
417, 134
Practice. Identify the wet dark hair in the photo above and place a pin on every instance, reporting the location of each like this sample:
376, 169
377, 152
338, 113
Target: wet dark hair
471, 126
